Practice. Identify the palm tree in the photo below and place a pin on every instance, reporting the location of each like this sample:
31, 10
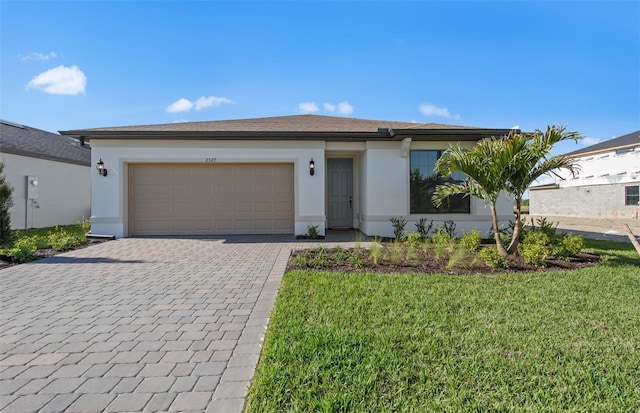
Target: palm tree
486, 166
531, 161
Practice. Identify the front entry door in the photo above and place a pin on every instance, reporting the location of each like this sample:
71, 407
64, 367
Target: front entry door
340, 192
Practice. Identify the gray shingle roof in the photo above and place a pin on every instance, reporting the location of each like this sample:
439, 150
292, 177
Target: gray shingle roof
625, 141
291, 127
295, 123
26, 141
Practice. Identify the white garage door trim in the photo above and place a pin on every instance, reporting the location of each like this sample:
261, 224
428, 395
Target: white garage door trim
210, 199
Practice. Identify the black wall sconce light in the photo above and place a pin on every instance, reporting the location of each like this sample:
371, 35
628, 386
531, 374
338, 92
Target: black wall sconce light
312, 167
100, 167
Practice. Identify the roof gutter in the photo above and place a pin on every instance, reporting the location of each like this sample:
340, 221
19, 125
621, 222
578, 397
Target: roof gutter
381, 135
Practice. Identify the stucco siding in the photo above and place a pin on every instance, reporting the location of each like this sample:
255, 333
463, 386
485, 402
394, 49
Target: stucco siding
588, 201
109, 215
63, 192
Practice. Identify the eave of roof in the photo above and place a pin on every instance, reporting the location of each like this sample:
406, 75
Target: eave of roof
297, 127
629, 140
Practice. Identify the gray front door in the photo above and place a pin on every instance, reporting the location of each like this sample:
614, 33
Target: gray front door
340, 192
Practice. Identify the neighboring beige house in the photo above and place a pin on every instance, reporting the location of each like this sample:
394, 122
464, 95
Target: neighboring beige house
275, 175
607, 185
50, 174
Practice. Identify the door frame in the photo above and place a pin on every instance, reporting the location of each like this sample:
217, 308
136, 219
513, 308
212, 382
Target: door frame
353, 190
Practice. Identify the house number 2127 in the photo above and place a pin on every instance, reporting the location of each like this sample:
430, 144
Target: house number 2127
210, 160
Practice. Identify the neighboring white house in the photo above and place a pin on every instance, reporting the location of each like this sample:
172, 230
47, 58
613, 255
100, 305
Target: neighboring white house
50, 174
275, 175
607, 185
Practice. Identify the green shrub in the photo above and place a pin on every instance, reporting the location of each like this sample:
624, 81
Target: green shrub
414, 239
354, 259
85, 225
492, 257
376, 252
442, 239
63, 240
25, 249
398, 227
461, 257
534, 248
471, 240
566, 245
301, 260
422, 228
312, 232
6, 202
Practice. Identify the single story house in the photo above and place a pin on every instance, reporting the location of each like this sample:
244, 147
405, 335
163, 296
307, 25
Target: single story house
275, 175
607, 184
50, 174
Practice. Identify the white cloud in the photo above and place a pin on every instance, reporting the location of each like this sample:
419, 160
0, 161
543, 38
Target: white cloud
589, 141
180, 105
329, 107
308, 107
205, 102
427, 109
345, 108
39, 56
60, 80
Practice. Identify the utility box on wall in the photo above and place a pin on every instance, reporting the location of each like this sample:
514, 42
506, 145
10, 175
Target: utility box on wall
32, 187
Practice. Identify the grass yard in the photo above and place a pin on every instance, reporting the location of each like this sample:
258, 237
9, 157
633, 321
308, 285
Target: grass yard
545, 341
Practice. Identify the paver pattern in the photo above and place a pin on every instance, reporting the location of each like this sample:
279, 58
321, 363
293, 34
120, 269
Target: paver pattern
139, 325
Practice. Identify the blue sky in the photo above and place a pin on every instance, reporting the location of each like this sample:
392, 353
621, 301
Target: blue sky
81, 64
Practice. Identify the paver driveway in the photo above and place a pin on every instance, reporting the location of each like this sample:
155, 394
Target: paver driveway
138, 325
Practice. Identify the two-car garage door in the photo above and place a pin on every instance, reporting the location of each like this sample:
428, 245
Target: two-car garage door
200, 199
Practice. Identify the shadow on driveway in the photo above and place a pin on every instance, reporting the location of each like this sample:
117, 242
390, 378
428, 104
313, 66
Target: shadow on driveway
84, 260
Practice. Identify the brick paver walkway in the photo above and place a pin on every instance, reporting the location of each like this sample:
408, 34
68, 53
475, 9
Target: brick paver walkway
138, 325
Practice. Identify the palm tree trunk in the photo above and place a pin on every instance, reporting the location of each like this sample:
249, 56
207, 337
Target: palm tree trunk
496, 231
517, 228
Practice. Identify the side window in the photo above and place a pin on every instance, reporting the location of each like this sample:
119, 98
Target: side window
423, 182
632, 195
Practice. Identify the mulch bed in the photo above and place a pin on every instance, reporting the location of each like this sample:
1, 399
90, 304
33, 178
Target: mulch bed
426, 262
6, 261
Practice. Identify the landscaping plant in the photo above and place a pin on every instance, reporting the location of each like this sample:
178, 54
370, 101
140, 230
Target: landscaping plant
398, 224
6, 202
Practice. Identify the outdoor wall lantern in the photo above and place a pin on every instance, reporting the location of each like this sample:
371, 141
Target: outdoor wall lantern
312, 167
101, 169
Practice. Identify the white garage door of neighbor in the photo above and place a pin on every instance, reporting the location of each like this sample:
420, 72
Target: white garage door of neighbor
200, 199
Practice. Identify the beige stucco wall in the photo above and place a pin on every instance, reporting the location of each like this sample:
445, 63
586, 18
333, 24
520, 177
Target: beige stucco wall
64, 192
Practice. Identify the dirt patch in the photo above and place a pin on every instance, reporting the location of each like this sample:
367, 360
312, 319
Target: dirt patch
408, 260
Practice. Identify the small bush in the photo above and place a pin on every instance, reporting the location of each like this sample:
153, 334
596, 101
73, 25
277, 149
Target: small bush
492, 258
354, 259
534, 248
376, 252
422, 227
398, 227
338, 255
320, 258
471, 241
301, 260
566, 246
85, 225
448, 227
63, 240
442, 239
414, 239
461, 257
25, 249
312, 232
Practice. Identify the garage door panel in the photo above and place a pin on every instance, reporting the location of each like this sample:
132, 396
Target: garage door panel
183, 199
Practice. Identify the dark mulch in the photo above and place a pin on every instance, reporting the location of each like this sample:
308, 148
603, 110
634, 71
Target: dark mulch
424, 262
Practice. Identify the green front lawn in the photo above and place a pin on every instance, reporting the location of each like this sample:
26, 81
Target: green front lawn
544, 341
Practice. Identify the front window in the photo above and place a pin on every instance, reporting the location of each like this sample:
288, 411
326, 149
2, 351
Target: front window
423, 181
632, 195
